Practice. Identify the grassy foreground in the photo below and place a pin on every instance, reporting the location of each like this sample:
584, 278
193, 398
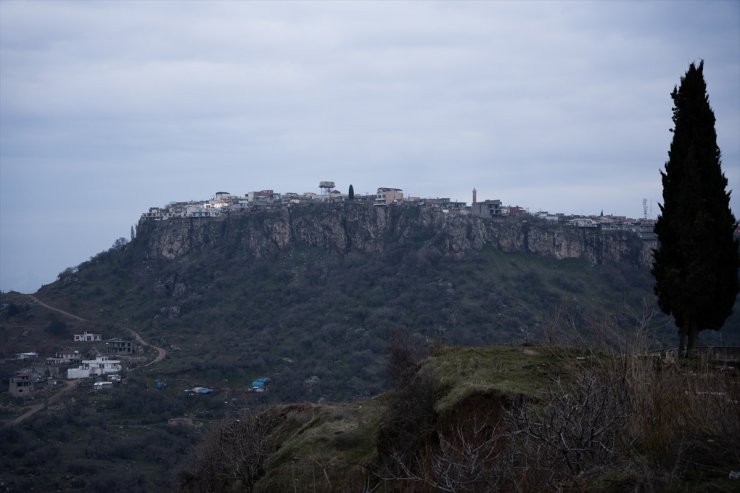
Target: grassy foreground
499, 418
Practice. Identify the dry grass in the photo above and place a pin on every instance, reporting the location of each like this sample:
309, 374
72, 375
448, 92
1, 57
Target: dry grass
613, 418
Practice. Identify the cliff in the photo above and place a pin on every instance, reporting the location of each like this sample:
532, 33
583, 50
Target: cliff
311, 293
343, 228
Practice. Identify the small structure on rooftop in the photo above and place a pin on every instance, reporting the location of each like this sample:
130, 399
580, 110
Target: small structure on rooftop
326, 186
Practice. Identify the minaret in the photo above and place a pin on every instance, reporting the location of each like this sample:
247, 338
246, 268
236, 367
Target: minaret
475, 196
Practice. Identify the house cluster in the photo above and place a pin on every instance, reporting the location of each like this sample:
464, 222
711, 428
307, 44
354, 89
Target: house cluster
224, 202
643, 227
71, 364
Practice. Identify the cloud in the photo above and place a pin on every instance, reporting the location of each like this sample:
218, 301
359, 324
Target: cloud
562, 106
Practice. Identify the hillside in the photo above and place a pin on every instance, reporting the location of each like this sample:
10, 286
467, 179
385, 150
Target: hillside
493, 419
314, 291
312, 297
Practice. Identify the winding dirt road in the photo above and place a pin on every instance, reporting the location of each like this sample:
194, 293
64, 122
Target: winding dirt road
55, 309
71, 384
161, 352
68, 385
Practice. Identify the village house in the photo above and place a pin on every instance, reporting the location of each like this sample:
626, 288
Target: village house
261, 197
387, 196
440, 203
222, 197
486, 209
555, 218
583, 222
87, 337
64, 357
515, 210
456, 206
119, 346
21, 385
29, 355
98, 366
155, 213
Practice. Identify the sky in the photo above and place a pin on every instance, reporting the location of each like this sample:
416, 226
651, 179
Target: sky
109, 108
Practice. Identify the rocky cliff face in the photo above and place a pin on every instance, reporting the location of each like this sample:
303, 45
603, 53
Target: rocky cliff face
344, 228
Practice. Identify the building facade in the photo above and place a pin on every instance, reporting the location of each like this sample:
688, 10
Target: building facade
101, 365
119, 346
88, 337
387, 196
487, 208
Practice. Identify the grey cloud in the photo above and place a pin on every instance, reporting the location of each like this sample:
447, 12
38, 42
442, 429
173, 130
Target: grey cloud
562, 106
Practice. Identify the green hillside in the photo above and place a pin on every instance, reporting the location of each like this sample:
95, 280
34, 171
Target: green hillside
312, 313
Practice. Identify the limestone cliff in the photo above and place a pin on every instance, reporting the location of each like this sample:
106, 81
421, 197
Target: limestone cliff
342, 228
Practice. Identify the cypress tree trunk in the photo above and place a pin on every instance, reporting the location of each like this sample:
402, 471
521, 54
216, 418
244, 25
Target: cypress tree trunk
693, 338
681, 344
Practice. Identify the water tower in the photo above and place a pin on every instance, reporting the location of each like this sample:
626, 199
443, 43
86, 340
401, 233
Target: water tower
326, 186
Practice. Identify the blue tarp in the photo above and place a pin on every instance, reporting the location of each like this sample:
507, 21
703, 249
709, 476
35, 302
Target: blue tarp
260, 383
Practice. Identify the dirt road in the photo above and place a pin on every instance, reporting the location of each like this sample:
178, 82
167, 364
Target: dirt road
58, 310
161, 352
68, 385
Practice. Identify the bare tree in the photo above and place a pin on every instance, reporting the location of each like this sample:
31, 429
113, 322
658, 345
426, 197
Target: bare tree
578, 427
231, 455
466, 460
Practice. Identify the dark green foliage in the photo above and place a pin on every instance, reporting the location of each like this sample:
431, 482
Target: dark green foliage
227, 316
12, 310
93, 440
309, 311
410, 418
57, 327
696, 264
403, 359
351, 194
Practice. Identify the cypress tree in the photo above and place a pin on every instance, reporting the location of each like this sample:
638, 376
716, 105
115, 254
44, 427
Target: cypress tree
351, 194
696, 263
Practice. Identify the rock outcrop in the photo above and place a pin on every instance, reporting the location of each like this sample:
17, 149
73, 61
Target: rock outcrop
344, 228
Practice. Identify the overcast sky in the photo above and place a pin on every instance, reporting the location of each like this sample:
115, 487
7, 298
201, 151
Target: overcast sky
108, 108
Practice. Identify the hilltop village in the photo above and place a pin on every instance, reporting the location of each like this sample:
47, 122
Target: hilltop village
225, 203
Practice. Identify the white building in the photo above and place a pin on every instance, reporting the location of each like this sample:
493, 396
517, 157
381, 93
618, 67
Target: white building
31, 355
101, 365
583, 222
88, 337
